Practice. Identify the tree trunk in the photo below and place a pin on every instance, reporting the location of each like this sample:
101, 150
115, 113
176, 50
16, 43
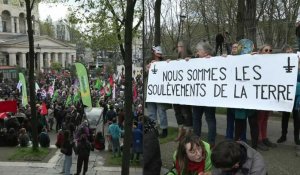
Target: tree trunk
128, 86
270, 23
31, 76
157, 10
240, 34
205, 21
250, 20
291, 20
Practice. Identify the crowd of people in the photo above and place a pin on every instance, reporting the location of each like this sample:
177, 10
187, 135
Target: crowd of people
60, 111
193, 154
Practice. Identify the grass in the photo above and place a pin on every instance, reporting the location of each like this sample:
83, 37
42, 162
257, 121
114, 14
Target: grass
221, 111
172, 134
27, 154
117, 161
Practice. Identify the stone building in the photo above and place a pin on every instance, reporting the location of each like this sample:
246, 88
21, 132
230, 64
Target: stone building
14, 45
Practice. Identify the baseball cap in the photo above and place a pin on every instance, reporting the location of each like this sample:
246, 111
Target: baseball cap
157, 49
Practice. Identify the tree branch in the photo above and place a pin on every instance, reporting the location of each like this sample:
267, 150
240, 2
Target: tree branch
139, 23
32, 5
113, 12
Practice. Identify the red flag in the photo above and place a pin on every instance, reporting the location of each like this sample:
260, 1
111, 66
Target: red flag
44, 110
135, 94
8, 106
111, 81
102, 92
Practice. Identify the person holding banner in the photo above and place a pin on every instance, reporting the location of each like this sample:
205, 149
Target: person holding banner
230, 115
295, 112
263, 116
245, 46
183, 113
154, 108
204, 50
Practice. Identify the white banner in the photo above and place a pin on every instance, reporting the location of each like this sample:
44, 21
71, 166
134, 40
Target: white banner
265, 82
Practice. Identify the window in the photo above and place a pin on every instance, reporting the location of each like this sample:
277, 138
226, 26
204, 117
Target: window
22, 4
5, 1
4, 28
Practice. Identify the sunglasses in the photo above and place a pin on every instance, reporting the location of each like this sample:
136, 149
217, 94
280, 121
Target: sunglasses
268, 50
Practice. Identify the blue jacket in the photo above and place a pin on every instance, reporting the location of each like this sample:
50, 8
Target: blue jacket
114, 130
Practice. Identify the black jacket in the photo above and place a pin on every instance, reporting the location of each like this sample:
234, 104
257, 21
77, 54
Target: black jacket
83, 149
151, 149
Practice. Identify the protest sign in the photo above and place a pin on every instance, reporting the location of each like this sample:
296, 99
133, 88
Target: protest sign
265, 82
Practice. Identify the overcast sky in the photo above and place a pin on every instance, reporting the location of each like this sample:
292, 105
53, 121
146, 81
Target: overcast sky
56, 11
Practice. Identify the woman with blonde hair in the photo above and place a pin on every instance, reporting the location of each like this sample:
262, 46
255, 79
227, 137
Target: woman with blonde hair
263, 116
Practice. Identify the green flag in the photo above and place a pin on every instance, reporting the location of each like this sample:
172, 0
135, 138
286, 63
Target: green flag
98, 84
24, 91
69, 100
55, 95
76, 97
84, 84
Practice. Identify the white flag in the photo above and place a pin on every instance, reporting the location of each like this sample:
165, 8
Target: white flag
19, 85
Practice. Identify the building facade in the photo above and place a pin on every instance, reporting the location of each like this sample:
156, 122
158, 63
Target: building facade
14, 45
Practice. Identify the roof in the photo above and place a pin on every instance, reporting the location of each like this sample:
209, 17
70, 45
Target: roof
7, 40
7, 67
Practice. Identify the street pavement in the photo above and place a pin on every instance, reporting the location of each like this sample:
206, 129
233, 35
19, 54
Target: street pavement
280, 161
54, 166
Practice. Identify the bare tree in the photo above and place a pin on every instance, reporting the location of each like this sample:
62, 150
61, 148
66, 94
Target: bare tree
29, 6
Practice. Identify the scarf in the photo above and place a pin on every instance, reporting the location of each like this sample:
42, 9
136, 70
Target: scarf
192, 167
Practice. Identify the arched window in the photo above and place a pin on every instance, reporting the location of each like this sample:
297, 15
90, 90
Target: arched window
6, 21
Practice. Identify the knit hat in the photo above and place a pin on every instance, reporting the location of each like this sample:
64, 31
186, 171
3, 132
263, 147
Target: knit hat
157, 49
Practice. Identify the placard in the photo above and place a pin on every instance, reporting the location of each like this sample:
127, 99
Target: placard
264, 82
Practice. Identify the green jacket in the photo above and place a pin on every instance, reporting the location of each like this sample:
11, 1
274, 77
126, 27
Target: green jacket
208, 165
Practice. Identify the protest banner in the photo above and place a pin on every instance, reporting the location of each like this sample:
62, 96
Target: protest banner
8, 106
264, 82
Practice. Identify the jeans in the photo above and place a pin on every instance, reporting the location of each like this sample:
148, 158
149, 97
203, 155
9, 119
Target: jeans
263, 117
183, 114
285, 123
116, 146
240, 128
153, 109
230, 125
210, 118
67, 164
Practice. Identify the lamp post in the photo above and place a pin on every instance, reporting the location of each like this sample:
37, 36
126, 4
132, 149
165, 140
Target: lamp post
180, 27
182, 18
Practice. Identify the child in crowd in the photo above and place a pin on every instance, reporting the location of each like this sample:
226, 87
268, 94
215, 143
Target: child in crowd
99, 141
44, 138
23, 138
137, 145
115, 132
